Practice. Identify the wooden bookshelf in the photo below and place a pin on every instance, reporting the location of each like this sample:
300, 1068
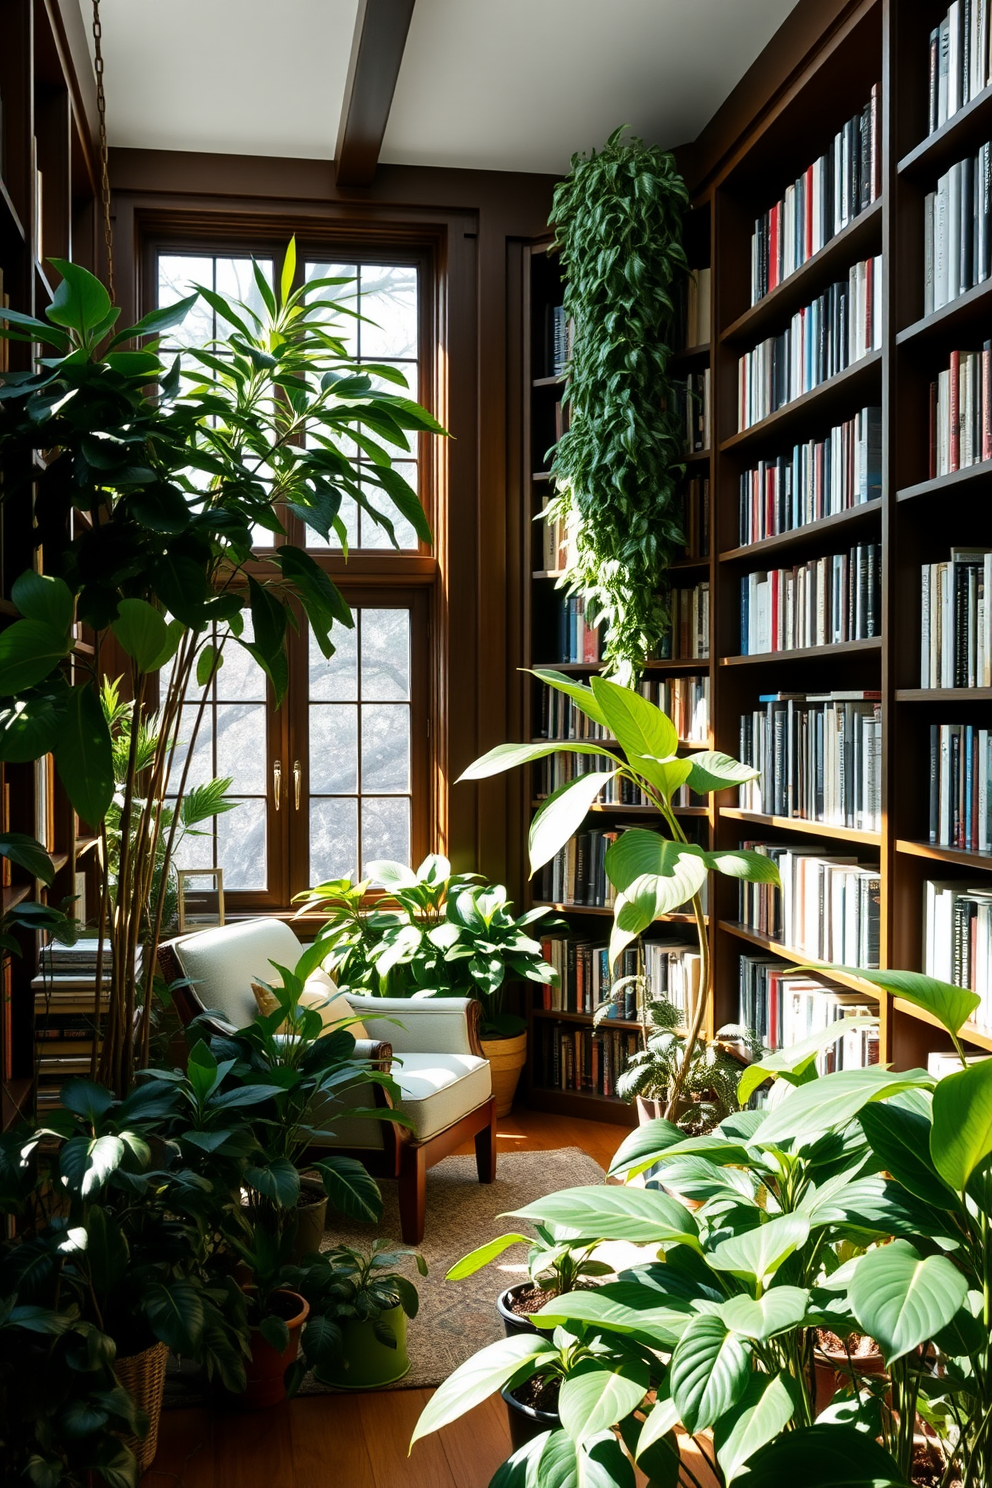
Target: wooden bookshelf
48, 97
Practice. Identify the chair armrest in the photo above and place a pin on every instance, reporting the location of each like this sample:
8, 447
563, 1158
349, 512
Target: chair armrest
423, 1025
376, 1052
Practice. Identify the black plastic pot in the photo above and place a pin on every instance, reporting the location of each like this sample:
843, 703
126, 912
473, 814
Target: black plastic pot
526, 1422
513, 1322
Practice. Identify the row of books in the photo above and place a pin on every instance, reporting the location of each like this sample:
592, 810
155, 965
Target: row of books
961, 412
694, 508
698, 301
957, 231
959, 59
827, 907
570, 1057
559, 333
577, 639
820, 759
819, 603
957, 936
577, 872
650, 969
960, 766
829, 194
840, 327
558, 769
784, 1007
687, 632
819, 478
956, 630
557, 541
692, 405
686, 700
66, 1017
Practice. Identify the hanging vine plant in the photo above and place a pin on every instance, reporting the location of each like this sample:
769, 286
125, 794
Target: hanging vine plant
618, 219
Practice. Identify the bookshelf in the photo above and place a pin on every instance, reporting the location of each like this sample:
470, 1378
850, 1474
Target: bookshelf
915, 518
47, 92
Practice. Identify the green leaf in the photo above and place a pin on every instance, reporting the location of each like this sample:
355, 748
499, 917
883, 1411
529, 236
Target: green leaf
351, 1189
781, 1307
156, 321
30, 727
288, 272
901, 1299
508, 756
751, 867
80, 302
29, 651
479, 1377
106, 1250
662, 1419
483, 1255
823, 1457
84, 756
86, 1099
833, 1102
639, 727
140, 630
757, 1254
797, 1058
638, 853
175, 1313
208, 663
554, 1460
278, 1181
28, 854
713, 771
961, 1135
562, 814
86, 1163
580, 693
652, 1316
710, 1369
951, 1006
41, 597
275, 1332
901, 1139
643, 1216
650, 897
594, 1398
642, 1147
763, 1411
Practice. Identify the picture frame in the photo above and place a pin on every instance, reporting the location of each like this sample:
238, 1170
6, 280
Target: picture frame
201, 898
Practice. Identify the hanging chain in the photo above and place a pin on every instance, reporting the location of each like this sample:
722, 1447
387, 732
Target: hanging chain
101, 105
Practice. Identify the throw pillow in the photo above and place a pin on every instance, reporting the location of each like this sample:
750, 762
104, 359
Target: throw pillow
321, 994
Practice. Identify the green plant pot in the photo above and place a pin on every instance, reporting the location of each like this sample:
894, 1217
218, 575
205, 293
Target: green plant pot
367, 1364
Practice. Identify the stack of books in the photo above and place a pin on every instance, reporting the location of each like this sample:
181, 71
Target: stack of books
839, 328
652, 969
818, 479
66, 1020
957, 936
957, 231
960, 797
694, 504
692, 404
570, 1057
828, 195
562, 719
819, 755
820, 603
959, 59
687, 633
698, 299
784, 1007
961, 412
578, 640
956, 634
827, 907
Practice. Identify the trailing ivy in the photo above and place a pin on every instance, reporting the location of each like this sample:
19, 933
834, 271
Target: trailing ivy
618, 221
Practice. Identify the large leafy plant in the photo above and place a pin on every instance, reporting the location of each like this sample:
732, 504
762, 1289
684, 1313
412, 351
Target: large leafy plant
652, 874
150, 484
618, 222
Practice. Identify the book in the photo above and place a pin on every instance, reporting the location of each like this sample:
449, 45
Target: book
817, 478
957, 61
819, 758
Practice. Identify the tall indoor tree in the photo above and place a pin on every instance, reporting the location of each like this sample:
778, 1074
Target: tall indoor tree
149, 484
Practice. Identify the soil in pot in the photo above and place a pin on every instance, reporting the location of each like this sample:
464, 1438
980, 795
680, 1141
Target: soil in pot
532, 1409
267, 1366
833, 1369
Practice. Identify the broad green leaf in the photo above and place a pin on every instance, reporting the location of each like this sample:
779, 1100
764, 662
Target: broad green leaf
476, 1259
901, 1139
29, 651
141, 632
710, 1370
952, 1006
779, 1308
961, 1135
208, 663
667, 776
84, 756
481, 1376
639, 727
156, 321
643, 1146
288, 272
833, 1102
80, 302
580, 693
763, 1411
41, 597
713, 771
28, 854
649, 898
752, 867
175, 1313
351, 1189
622, 1307
797, 1057
87, 1099
106, 1249
663, 1418
594, 1397
509, 756
86, 1163
554, 1460
278, 1181
902, 1299
823, 1457
638, 853
757, 1254
641, 1215
30, 727
561, 815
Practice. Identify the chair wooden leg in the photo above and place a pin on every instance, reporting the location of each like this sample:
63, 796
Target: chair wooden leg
485, 1147
413, 1194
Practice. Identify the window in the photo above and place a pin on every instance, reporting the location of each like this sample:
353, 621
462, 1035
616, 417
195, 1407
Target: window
339, 775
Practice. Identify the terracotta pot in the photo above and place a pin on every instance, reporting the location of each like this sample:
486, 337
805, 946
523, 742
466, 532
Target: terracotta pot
143, 1377
311, 1220
526, 1421
507, 1057
266, 1367
833, 1372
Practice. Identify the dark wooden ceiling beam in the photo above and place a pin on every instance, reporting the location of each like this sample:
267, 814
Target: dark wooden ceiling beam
376, 53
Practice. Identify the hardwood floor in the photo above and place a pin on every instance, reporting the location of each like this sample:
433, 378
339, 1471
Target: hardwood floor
359, 1441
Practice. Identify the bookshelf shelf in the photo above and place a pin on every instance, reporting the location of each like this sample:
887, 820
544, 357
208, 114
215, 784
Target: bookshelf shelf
692, 356
810, 964
800, 825
584, 1018
962, 482
547, 573
943, 694
578, 668
592, 909
936, 854
546, 382
867, 647
811, 535
541, 475
854, 242
15, 894
696, 457
689, 565
970, 126
951, 321
605, 809
971, 1033
582, 1103
844, 389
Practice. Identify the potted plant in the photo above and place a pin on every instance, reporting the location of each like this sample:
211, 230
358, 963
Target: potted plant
652, 874
434, 933
555, 1265
276, 1315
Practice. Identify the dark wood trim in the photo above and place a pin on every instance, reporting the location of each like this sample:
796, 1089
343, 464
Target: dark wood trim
381, 29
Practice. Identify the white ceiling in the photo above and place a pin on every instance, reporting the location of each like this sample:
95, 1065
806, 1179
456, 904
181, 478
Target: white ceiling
485, 84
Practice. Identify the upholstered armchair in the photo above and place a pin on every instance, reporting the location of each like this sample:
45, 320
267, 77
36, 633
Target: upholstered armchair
431, 1048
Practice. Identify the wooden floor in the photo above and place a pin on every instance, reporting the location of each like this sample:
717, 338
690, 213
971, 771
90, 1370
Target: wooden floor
359, 1441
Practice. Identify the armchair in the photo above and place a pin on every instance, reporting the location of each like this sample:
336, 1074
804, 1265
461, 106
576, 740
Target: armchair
444, 1078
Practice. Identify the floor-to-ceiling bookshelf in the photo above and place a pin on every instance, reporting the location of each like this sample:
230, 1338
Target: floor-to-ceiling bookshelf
915, 519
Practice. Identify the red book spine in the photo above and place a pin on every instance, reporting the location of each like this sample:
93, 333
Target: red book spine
954, 442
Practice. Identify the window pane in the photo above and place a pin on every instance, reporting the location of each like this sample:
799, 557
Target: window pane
335, 681
374, 536
201, 765
385, 655
333, 839
177, 274
333, 748
385, 829
344, 326
241, 745
196, 849
241, 846
389, 302
386, 747
240, 677
236, 281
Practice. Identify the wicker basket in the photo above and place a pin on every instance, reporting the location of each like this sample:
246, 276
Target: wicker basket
143, 1377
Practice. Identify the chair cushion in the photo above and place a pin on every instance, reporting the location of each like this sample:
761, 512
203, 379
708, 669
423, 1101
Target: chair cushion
222, 963
322, 995
439, 1089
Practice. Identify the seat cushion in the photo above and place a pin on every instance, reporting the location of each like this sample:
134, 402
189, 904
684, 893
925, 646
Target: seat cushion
439, 1089
222, 963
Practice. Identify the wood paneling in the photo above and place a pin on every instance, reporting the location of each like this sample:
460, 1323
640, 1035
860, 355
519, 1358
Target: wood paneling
381, 28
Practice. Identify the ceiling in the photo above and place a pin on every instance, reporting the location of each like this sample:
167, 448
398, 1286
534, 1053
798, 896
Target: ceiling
484, 84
